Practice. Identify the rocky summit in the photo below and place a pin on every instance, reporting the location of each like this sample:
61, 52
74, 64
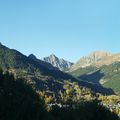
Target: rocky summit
60, 63
93, 59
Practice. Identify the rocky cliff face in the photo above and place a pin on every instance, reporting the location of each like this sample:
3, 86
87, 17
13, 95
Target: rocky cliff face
58, 62
92, 59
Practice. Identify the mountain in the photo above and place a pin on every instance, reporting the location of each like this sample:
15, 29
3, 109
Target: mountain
38, 73
45, 64
108, 76
41, 75
18, 101
100, 68
58, 62
91, 60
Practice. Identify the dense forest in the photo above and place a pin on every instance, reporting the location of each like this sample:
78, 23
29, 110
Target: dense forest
20, 101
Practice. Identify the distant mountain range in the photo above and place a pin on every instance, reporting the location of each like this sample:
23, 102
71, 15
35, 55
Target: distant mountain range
99, 67
60, 63
94, 59
42, 75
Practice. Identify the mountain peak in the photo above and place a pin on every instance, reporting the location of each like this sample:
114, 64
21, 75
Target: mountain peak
58, 62
2, 45
32, 56
92, 59
53, 55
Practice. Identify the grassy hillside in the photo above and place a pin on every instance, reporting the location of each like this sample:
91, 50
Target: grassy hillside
107, 76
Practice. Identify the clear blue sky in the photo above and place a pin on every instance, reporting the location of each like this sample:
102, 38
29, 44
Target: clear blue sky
67, 28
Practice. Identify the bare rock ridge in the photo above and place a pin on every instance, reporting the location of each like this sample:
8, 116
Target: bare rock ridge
97, 59
58, 62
